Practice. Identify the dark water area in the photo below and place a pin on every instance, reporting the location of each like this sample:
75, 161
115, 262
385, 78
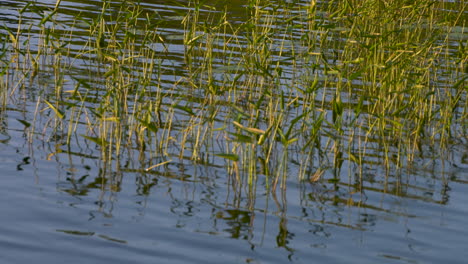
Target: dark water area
63, 204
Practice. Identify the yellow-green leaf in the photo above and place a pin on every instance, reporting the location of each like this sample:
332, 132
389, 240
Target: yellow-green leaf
249, 129
57, 112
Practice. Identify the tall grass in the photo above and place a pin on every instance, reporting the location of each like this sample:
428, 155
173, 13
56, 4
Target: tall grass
301, 87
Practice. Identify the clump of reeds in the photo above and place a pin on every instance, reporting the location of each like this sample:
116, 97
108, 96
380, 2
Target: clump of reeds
306, 87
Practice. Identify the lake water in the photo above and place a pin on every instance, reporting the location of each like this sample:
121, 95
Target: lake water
63, 204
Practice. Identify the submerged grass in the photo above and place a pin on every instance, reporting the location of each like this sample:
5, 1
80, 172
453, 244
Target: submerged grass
304, 86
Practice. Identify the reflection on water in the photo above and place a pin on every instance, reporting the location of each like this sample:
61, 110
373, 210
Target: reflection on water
63, 202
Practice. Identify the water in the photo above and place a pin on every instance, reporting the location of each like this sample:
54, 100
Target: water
64, 204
